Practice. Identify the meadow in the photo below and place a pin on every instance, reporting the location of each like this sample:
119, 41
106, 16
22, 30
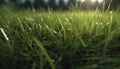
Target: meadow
76, 39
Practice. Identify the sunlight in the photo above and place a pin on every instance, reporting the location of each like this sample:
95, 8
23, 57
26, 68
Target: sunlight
82, 1
93, 1
99, 1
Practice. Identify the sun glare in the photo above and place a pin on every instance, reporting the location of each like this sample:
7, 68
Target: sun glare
82, 1
100, 1
93, 1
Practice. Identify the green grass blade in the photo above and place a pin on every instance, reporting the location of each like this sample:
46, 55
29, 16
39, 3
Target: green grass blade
45, 53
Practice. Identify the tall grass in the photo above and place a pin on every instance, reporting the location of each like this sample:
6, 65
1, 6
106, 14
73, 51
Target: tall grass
59, 40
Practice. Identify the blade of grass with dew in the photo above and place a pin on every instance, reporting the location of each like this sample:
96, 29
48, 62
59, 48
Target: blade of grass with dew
10, 47
4, 34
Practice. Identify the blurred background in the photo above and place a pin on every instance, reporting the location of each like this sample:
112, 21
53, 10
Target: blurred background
64, 4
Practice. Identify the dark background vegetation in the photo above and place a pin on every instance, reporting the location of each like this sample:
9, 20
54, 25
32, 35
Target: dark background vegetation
51, 4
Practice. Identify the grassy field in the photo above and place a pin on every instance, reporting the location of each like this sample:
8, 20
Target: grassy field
31, 39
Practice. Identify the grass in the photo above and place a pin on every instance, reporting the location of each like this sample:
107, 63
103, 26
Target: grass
31, 39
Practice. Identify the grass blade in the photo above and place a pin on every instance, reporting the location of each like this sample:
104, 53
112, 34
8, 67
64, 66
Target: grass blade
44, 53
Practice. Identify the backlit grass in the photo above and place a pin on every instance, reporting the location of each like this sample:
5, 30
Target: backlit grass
34, 39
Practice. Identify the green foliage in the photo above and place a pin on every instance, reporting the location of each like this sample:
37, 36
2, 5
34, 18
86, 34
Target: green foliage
59, 40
